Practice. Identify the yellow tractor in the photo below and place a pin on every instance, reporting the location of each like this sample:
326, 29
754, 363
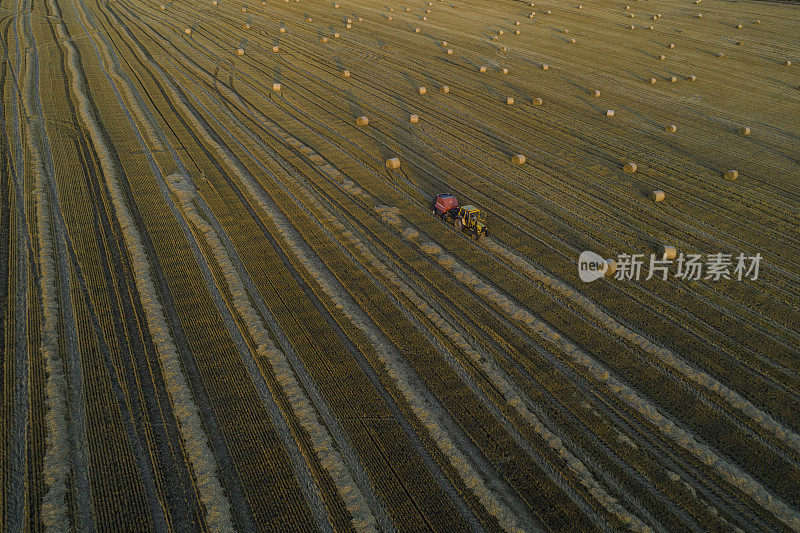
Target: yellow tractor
471, 220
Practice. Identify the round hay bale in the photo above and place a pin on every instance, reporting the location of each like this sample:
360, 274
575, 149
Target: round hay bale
277, 87
444, 43
658, 15
362, 121
667, 252
393, 163
482, 69
545, 67
651, 28
422, 90
671, 128
518, 159
609, 112
630, 15
744, 130
721, 54
246, 26
389, 18
413, 119
580, 6
494, 37
673, 79
516, 23
239, 51
162, 7
654, 17
629, 167
611, 268
547, 12
308, 19
504, 71
282, 29
348, 26
449, 51
731, 175
657, 196
500, 32
516, 32
323, 40
652, 81
276, 49
671, 45
360, 19
699, 15
758, 21
787, 63
244, 10
417, 30
572, 41
428, 11
537, 101
336, 6
445, 89
188, 31
691, 78
503, 49
565, 31
631, 27
530, 16
738, 26
509, 101
345, 73
424, 18
627, 7
595, 93
662, 57
335, 35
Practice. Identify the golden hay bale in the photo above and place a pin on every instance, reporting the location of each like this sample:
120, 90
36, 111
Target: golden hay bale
654, 17
787, 63
530, 16
348, 26
627, 7
611, 268
739, 26
547, 12
537, 101
691, 78
657, 196
595, 93
336, 6
518, 159
651, 28
673, 79
516, 23
188, 31
449, 51
572, 41
422, 90
671, 45
360, 19
444, 43
445, 89
503, 49
721, 54
428, 11
282, 29
162, 7
424, 18
630, 15
516, 32
276, 49
509, 101
413, 119
408, 9
758, 21
417, 30
393, 163
389, 18
335, 35
239, 52
662, 57
246, 26
362, 121
544, 66
744, 130
482, 68
580, 6
699, 15
671, 128
609, 112
244, 10
631, 27
731, 174
308, 19
667, 252
658, 15
345, 73
629, 167
277, 87
565, 31
494, 37
349, 21
500, 32
652, 81
323, 40
504, 70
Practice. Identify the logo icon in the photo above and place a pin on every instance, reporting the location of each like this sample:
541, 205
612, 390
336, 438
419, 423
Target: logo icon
591, 266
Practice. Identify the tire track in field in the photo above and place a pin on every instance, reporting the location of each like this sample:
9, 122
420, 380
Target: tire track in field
65, 454
727, 470
328, 455
427, 409
511, 394
203, 462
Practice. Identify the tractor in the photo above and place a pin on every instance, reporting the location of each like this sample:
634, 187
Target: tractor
466, 218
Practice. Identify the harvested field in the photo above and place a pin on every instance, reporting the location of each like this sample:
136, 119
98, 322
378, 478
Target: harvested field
226, 304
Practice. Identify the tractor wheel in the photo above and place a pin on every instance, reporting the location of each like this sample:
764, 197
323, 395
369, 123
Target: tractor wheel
459, 224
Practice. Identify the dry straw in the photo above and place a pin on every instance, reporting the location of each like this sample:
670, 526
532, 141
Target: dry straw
609, 112
413, 119
629, 167
345, 73
482, 69
673, 79
595, 93
691, 78
652, 81
611, 268
509, 101
545, 67
667, 252
277, 87
240, 51
188, 31
518, 159
537, 101
657, 196
504, 71
744, 130
275, 49
671, 128
445, 89
731, 174
422, 90
362, 121
393, 163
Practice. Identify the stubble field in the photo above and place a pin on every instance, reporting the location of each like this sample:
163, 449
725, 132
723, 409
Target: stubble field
222, 311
